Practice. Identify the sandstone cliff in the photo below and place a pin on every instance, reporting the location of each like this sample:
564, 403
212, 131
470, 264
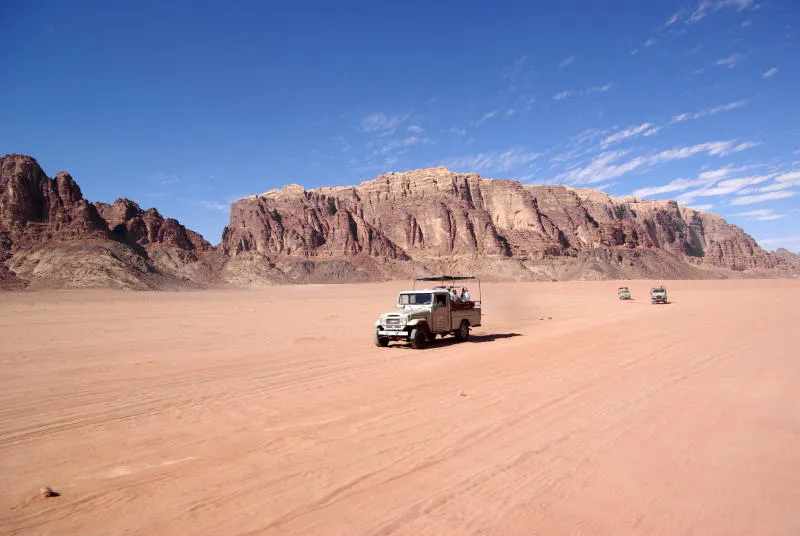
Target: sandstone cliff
395, 226
50, 236
434, 219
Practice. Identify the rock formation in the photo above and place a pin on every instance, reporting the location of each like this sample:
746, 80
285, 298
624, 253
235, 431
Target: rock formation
50, 236
395, 226
434, 219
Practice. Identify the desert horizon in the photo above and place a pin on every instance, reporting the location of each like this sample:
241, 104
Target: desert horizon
270, 411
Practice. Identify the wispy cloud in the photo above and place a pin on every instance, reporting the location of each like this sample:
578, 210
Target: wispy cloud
764, 214
627, 133
164, 177
493, 161
700, 207
710, 111
678, 185
512, 72
730, 61
213, 205
770, 73
382, 123
759, 198
415, 129
581, 92
566, 62
650, 42
485, 118
606, 165
693, 15
795, 239
399, 143
722, 188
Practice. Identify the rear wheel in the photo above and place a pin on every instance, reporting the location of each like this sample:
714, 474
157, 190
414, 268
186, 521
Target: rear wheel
419, 337
462, 333
383, 342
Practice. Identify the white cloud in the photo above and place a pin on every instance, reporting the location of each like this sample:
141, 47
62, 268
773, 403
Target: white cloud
730, 61
395, 144
650, 42
678, 185
415, 129
459, 131
213, 205
634, 51
485, 118
747, 23
566, 62
605, 166
700, 207
693, 15
627, 133
493, 161
381, 122
750, 199
709, 111
764, 214
511, 111
784, 240
648, 129
770, 73
783, 181
581, 92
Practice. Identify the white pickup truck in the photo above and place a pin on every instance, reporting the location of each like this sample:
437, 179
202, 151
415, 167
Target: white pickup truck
423, 314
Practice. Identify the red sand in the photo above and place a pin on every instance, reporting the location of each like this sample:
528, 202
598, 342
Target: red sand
270, 412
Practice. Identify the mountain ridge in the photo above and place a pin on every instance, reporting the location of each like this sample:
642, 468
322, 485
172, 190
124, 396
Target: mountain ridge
397, 225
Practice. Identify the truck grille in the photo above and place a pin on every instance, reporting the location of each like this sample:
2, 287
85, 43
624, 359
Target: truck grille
394, 321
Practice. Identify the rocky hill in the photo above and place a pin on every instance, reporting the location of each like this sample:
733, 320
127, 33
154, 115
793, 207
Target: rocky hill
51, 237
395, 226
435, 220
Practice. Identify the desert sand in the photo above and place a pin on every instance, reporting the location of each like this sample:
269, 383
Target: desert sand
270, 412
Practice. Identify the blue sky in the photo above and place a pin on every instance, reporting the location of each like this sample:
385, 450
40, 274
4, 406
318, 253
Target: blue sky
186, 106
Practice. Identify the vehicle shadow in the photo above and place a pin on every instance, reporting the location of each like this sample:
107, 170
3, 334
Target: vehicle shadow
450, 341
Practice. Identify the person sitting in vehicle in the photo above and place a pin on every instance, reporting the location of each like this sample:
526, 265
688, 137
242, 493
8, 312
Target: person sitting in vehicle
453, 296
465, 294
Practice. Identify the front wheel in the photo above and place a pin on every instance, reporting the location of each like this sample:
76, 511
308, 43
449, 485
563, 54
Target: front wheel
383, 342
462, 333
418, 338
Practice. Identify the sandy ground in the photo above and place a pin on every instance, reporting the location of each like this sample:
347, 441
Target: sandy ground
270, 412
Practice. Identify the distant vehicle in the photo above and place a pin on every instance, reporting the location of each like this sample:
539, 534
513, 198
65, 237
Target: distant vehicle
658, 295
624, 293
423, 314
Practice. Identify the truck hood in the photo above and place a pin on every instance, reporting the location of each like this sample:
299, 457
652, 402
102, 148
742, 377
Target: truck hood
408, 311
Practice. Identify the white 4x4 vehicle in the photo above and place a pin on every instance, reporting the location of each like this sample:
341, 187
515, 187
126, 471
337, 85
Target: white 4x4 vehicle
423, 314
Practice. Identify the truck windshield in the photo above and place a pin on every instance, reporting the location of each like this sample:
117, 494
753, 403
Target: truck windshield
419, 298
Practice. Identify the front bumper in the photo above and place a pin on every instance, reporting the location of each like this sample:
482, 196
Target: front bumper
393, 334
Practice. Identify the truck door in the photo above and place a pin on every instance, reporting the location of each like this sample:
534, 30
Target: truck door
440, 314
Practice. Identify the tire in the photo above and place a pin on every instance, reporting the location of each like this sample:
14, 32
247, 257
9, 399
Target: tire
383, 342
431, 337
419, 336
462, 333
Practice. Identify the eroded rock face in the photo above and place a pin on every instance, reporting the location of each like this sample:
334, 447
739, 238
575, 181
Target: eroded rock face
434, 213
36, 209
51, 237
147, 228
